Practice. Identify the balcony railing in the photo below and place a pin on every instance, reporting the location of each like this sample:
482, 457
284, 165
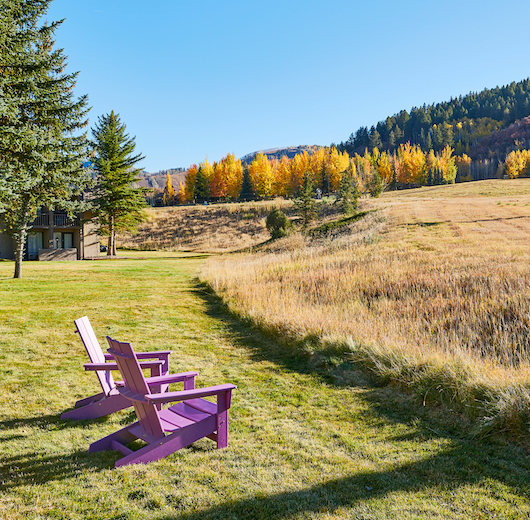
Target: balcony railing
59, 220
62, 220
41, 220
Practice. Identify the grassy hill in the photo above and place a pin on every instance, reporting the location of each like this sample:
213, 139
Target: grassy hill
430, 292
213, 228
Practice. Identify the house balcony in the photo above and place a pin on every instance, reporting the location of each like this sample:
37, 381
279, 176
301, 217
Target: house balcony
62, 220
59, 220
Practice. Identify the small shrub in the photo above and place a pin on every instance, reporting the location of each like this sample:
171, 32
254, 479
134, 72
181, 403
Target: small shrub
277, 224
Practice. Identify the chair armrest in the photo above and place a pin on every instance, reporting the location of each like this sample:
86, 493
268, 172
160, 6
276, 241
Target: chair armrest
158, 354
101, 366
114, 366
161, 380
182, 395
171, 378
144, 355
133, 396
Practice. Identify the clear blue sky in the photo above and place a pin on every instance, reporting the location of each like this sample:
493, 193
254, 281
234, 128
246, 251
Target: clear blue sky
201, 78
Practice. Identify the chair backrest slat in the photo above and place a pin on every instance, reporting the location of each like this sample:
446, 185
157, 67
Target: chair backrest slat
95, 354
134, 379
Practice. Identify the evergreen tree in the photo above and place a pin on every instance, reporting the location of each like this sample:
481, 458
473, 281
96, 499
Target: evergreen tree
392, 140
428, 141
376, 185
277, 224
201, 191
375, 139
40, 153
430, 177
247, 192
118, 205
348, 195
305, 203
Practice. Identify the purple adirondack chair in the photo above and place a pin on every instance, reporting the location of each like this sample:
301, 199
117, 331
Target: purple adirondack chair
109, 400
185, 422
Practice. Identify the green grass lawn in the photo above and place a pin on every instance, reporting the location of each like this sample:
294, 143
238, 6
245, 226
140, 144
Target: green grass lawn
304, 442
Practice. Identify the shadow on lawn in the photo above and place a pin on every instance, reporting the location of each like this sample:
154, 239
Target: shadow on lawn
435, 477
37, 467
464, 462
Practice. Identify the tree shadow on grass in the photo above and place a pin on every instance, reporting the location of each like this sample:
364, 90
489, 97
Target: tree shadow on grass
436, 478
464, 462
38, 467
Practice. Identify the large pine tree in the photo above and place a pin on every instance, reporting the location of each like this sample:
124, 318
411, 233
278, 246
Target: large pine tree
118, 204
41, 150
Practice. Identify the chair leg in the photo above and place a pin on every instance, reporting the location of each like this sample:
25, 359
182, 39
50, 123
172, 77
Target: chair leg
89, 400
98, 409
222, 430
177, 440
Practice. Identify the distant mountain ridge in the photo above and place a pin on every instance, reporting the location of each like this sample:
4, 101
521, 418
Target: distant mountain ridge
278, 153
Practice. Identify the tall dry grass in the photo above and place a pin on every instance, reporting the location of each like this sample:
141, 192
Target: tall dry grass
210, 228
432, 293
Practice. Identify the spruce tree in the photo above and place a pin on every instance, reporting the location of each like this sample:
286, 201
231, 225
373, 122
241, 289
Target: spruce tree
118, 204
348, 195
41, 151
305, 203
201, 190
376, 185
247, 192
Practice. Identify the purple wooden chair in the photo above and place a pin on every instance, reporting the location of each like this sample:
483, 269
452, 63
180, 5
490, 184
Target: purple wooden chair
185, 422
109, 400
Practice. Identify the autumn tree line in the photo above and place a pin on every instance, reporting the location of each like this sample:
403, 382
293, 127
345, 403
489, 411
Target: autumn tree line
230, 179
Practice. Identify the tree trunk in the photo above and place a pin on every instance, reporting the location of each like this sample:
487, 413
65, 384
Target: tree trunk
110, 248
19, 253
20, 240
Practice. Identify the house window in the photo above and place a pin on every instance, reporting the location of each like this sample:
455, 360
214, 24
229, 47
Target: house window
34, 244
63, 240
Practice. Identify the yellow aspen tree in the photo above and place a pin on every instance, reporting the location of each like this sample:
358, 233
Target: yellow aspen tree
207, 175
218, 181
447, 165
364, 170
233, 175
261, 176
414, 165
514, 164
337, 164
317, 167
384, 167
298, 166
463, 166
282, 181
189, 180
181, 194
169, 192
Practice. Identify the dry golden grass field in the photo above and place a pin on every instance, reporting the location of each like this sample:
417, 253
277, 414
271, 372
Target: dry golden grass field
431, 291
213, 228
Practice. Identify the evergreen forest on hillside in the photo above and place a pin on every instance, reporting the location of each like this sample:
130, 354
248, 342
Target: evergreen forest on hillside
459, 123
